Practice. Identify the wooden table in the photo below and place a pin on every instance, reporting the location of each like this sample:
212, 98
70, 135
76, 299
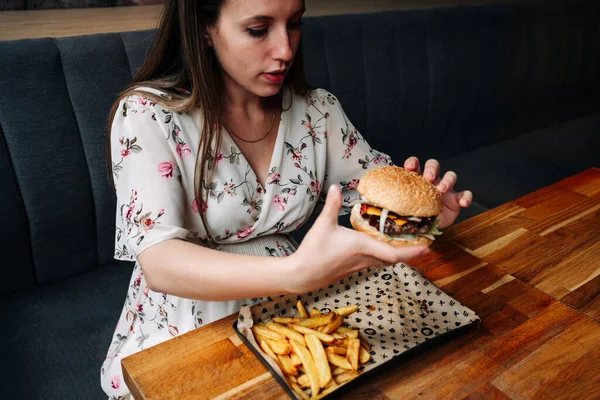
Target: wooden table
531, 270
86, 21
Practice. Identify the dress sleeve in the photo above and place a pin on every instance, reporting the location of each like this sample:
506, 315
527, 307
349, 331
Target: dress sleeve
349, 155
151, 202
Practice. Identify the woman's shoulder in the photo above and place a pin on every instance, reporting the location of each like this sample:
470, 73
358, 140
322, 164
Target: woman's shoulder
321, 95
320, 98
144, 105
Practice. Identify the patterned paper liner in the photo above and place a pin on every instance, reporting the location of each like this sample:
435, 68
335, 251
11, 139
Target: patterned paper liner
399, 309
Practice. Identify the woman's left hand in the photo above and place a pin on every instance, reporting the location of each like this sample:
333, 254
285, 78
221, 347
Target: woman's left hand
453, 201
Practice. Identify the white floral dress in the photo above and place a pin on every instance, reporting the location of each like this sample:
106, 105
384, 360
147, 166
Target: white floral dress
153, 154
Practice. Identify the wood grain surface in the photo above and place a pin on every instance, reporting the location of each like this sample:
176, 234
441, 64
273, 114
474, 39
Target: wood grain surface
529, 268
85, 21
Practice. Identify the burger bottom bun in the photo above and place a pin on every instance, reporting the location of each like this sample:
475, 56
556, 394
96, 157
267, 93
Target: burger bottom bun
361, 225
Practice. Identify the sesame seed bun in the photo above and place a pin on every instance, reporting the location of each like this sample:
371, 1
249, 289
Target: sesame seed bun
403, 192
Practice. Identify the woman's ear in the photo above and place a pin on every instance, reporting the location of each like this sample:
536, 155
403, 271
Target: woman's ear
207, 37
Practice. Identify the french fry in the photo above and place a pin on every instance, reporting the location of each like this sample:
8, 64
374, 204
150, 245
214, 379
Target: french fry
365, 344
317, 321
287, 332
337, 350
304, 381
327, 391
345, 311
348, 332
287, 366
333, 325
265, 347
299, 391
318, 353
268, 333
363, 355
341, 343
315, 351
345, 377
301, 309
352, 354
279, 347
287, 320
307, 331
295, 359
309, 366
338, 361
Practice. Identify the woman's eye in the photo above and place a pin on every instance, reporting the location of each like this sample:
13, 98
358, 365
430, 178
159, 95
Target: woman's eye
295, 24
257, 32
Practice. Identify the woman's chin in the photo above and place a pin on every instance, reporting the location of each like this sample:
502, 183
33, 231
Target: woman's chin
270, 90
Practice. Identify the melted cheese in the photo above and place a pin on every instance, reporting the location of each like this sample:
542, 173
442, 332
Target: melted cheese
377, 211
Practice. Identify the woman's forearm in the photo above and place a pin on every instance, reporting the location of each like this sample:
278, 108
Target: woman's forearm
187, 270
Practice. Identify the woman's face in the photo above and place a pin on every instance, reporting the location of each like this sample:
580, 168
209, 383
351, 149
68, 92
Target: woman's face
256, 41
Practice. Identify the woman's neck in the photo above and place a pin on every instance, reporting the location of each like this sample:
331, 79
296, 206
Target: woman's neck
240, 102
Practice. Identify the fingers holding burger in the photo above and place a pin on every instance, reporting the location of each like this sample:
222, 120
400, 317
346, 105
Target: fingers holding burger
398, 207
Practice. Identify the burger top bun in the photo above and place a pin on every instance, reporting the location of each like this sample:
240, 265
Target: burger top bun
361, 225
403, 192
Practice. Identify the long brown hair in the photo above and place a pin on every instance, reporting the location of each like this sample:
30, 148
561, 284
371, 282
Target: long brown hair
180, 58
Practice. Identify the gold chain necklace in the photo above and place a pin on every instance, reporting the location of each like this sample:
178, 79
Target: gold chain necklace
256, 140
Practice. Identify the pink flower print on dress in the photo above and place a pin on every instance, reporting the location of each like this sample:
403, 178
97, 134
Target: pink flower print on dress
166, 169
183, 150
292, 192
297, 154
315, 187
196, 209
218, 158
125, 152
352, 142
147, 224
381, 160
245, 233
137, 282
144, 101
229, 188
273, 178
173, 330
279, 202
176, 130
116, 382
129, 213
353, 184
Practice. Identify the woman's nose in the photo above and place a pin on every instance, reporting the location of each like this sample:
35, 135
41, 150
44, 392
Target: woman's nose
282, 47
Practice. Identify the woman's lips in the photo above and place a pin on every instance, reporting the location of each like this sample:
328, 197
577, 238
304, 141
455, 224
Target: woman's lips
275, 77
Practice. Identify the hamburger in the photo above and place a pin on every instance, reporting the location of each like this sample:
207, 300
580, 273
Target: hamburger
398, 207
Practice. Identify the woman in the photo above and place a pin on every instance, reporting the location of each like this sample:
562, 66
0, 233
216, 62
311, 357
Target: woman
218, 152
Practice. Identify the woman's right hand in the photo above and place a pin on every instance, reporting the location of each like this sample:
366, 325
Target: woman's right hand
330, 252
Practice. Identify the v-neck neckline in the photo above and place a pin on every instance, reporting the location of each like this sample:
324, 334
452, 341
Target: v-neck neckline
285, 98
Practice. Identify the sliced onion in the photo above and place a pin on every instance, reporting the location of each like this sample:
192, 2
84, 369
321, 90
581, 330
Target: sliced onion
357, 201
415, 219
382, 218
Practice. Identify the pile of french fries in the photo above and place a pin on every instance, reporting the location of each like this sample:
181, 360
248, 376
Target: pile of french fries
315, 351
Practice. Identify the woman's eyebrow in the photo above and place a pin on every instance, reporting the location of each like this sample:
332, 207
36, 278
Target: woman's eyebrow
263, 18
